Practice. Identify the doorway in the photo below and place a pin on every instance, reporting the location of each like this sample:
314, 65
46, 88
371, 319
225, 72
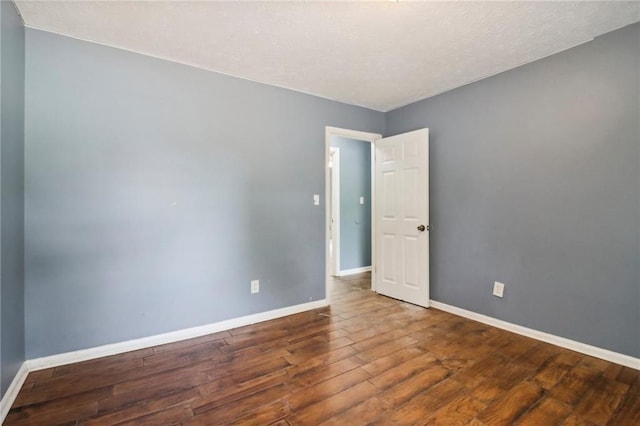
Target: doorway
350, 221
399, 212
361, 204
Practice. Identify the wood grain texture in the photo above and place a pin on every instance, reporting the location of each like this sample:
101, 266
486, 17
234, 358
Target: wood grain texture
367, 359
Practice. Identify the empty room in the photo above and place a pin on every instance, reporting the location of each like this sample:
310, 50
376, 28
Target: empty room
319, 212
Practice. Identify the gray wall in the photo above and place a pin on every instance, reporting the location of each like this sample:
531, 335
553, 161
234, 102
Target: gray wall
12, 193
535, 177
155, 192
355, 218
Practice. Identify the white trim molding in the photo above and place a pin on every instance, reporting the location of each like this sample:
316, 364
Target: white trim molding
354, 271
13, 390
334, 209
563, 342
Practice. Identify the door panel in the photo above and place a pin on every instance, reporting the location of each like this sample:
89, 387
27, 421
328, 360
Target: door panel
402, 191
411, 186
388, 202
388, 267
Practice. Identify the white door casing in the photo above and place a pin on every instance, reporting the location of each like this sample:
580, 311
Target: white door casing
402, 198
334, 219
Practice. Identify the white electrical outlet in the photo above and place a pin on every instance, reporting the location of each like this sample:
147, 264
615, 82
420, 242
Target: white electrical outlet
255, 286
498, 289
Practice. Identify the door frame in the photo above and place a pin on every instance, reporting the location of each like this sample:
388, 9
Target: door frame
334, 191
361, 136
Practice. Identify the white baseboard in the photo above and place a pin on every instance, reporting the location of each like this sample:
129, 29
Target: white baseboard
145, 342
174, 336
354, 271
13, 390
583, 348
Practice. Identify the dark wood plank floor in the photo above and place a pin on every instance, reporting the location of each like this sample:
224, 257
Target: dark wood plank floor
366, 360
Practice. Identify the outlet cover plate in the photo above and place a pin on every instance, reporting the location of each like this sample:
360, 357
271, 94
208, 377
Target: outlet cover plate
255, 286
498, 289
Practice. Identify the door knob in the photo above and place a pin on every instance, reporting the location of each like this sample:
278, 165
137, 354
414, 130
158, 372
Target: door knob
421, 228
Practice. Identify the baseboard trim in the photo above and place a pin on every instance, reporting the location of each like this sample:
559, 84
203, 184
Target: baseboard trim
354, 271
573, 345
13, 390
174, 336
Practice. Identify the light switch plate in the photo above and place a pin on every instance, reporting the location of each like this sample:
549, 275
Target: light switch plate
316, 199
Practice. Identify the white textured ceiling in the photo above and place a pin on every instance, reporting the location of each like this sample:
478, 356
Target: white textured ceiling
380, 55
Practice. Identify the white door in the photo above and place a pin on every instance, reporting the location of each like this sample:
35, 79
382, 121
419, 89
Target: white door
402, 217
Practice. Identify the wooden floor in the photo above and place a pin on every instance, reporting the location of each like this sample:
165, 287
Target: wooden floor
366, 360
